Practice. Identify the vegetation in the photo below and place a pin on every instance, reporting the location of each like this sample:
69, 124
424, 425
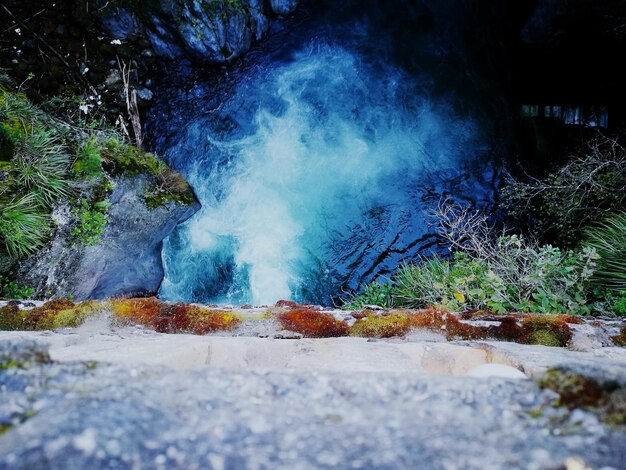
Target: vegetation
24, 226
604, 398
546, 330
487, 271
172, 318
12, 290
608, 239
50, 161
88, 164
40, 166
560, 206
150, 312
91, 222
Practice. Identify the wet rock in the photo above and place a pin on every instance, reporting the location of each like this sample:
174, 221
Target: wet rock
205, 31
144, 94
284, 7
126, 261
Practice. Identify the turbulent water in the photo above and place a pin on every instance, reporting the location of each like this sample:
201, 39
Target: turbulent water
316, 166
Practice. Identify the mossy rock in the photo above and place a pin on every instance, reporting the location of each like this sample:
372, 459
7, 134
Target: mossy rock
11, 318
545, 338
374, 326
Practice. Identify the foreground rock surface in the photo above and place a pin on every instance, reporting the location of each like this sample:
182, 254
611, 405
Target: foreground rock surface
129, 398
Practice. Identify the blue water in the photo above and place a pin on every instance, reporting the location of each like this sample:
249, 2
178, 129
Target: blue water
316, 167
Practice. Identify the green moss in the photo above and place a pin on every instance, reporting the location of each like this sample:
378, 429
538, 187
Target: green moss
548, 330
374, 326
574, 390
89, 161
76, 316
160, 198
11, 318
545, 338
11, 365
4, 428
121, 158
90, 222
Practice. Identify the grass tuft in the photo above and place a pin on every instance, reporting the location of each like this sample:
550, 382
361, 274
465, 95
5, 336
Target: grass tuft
24, 228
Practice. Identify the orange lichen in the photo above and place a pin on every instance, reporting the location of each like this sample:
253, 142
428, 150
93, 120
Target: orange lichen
509, 329
136, 311
458, 330
203, 321
400, 322
10, 317
287, 304
620, 339
312, 324
430, 317
173, 318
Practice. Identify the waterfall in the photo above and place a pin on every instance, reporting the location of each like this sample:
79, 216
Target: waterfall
316, 167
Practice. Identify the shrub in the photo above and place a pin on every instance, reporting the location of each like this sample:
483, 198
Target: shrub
498, 273
609, 240
11, 290
561, 205
24, 229
457, 285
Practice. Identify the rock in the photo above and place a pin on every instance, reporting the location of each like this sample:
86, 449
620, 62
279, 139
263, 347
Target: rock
100, 415
586, 337
144, 94
496, 370
204, 31
126, 261
119, 22
114, 80
284, 7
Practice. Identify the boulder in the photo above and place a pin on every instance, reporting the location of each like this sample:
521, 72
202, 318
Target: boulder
203, 31
284, 7
126, 261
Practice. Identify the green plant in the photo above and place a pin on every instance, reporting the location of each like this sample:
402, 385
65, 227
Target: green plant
40, 166
24, 229
609, 240
498, 273
90, 222
373, 293
618, 305
11, 290
89, 161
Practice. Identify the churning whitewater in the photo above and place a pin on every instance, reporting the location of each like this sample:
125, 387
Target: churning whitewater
313, 175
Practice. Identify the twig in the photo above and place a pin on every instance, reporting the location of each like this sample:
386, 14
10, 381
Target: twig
131, 102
